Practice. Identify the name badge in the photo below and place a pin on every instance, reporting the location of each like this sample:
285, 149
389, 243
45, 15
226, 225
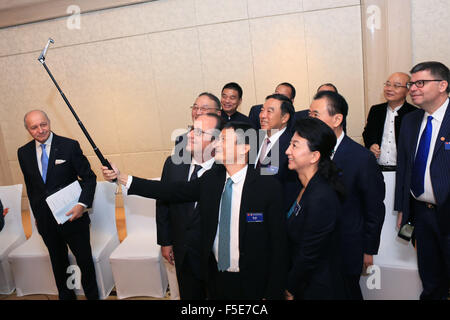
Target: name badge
255, 217
447, 145
269, 170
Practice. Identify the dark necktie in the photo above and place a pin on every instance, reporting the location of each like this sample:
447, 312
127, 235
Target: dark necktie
420, 163
194, 174
224, 227
44, 162
262, 155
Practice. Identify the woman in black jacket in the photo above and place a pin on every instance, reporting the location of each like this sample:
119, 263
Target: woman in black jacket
312, 224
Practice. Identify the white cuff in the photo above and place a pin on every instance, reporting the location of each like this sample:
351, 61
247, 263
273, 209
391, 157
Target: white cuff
129, 181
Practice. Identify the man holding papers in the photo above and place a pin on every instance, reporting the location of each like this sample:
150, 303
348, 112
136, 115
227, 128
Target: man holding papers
50, 163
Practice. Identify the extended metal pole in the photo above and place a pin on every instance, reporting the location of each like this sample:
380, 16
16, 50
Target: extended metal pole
102, 159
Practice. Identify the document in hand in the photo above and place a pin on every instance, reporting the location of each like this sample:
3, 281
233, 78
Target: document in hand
63, 201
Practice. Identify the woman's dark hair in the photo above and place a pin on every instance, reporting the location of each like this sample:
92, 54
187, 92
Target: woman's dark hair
321, 138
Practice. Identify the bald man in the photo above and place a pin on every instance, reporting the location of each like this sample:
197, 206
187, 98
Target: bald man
383, 123
49, 163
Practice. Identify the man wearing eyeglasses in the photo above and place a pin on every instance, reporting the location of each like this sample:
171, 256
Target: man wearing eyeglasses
383, 123
178, 224
205, 103
422, 191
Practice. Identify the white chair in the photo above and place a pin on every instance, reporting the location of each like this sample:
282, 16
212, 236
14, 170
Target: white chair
137, 263
397, 259
31, 262
104, 237
31, 266
12, 234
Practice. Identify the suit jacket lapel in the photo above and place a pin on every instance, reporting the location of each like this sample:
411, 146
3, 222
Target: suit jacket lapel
245, 206
415, 136
33, 162
444, 131
51, 160
341, 151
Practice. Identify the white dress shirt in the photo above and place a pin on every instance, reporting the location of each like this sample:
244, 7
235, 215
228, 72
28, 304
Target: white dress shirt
205, 167
388, 148
338, 142
48, 145
438, 117
238, 183
273, 139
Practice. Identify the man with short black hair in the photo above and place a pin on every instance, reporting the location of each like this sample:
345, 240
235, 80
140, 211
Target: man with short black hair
231, 99
422, 189
363, 207
284, 88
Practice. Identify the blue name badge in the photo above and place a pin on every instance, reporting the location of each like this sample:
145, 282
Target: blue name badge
447, 145
255, 217
269, 170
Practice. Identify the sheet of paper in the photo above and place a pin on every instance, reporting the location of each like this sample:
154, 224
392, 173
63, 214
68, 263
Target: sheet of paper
62, 201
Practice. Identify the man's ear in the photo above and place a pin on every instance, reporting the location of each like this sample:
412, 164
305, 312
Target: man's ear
338, 119
443, 86
285, 118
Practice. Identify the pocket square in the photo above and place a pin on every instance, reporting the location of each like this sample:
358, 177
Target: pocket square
59, 161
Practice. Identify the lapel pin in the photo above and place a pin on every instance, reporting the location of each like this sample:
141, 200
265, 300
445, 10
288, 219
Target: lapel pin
442, 139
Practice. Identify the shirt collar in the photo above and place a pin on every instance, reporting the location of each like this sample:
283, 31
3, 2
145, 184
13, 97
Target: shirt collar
338, 142
440, 112
205, 165
395, 109
274, 137
238, 176
47, 143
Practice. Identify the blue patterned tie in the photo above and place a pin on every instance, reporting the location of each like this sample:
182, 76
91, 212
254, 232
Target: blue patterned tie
44, 161
224, 227
420, 163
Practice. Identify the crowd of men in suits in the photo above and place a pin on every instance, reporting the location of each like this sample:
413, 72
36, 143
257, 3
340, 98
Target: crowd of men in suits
218, 195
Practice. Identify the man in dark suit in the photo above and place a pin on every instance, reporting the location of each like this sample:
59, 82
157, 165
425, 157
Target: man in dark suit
383, 123
285, 89
231, 99
363, 208
205, 103
50, 163
276, 119
244, 254
422, 191
178, 224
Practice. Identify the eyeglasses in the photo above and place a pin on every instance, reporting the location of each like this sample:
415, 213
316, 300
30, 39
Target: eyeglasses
419, 83
197, 131
395, 86
202, 108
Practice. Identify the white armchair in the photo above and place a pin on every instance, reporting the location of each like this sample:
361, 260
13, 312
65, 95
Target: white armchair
137, 263
12, 234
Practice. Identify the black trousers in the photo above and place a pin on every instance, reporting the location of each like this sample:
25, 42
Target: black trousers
190, 284
433, 252
76, 235
352, 287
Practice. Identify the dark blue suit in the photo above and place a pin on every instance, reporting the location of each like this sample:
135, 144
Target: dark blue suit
178, 225
432, 225
313, 234
253, 116
279, 167
363, 208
